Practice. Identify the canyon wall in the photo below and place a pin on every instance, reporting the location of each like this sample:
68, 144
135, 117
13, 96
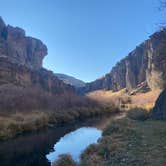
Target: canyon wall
144, 68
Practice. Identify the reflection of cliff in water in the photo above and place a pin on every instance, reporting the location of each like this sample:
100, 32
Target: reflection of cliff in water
30, 150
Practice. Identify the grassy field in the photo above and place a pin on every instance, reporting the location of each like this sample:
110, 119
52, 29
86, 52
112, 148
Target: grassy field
129, 142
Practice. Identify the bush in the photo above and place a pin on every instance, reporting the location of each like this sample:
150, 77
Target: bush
138, 114
65, 160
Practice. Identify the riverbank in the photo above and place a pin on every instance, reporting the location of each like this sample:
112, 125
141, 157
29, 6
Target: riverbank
129, 142
17, 123
34, 147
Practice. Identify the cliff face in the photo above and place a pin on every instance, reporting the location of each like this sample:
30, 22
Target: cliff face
143, 68
19, 49
43, 79
21, 66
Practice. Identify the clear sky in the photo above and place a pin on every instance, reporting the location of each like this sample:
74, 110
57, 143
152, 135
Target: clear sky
85, 38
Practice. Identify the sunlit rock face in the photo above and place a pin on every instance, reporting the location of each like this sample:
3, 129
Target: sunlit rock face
159, 111
19, 49
145, 66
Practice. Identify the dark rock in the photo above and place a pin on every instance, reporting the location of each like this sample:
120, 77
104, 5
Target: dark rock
159, 111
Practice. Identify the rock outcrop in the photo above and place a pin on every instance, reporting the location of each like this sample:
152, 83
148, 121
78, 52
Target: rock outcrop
19, 75
19, 49
159, 111
143, 67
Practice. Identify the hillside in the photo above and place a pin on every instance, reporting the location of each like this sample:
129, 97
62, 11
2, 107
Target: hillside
70, 80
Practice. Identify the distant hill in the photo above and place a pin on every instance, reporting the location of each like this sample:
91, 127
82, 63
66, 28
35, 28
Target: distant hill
70, 80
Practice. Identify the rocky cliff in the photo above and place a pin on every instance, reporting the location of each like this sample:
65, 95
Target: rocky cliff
21, 61
144, 68
21, 71
18, 75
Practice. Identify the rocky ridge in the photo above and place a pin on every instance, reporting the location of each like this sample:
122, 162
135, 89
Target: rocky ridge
70, 80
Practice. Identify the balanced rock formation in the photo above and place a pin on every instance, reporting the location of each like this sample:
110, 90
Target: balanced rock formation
143, 68
159, 111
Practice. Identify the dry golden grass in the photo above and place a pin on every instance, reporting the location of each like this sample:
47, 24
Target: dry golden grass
145, 100
123, 100
12, 124
109, 97
17, 123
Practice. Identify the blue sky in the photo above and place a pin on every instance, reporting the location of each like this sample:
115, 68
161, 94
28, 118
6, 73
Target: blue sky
85, 38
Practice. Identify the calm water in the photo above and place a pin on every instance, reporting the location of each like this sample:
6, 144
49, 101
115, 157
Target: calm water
43, 147
75, 142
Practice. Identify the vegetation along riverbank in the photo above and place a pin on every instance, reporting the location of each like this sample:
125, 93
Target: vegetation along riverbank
134, 139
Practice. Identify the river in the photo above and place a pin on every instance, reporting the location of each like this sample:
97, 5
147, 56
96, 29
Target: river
42, 148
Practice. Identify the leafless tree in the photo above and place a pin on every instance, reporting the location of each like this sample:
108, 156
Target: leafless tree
162, 4
162, 8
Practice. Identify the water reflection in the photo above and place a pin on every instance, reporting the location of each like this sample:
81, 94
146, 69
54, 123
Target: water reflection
75, 142
31, 149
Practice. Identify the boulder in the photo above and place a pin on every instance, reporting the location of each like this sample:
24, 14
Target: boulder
159, 111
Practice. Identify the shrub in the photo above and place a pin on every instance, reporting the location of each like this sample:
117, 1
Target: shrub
113, 127
65, 160
138, 114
